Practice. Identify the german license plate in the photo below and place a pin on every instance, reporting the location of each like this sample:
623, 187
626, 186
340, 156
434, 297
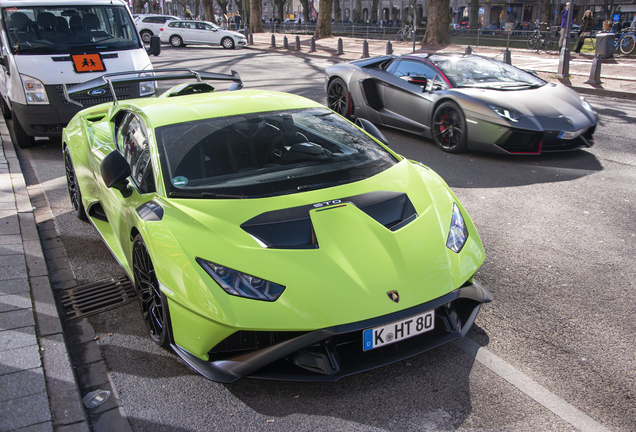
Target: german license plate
397, 331
568, 135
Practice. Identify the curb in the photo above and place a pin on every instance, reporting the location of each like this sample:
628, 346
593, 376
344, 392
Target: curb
66, 409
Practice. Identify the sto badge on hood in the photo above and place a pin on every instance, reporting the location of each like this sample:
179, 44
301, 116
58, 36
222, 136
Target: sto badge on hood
393, 295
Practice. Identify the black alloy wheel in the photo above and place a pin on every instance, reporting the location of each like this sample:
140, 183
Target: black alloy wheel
227, 42
176, 41
73, 188
449, 128
154, 307
338, 98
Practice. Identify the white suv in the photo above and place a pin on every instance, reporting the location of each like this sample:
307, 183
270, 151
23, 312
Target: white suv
149, 25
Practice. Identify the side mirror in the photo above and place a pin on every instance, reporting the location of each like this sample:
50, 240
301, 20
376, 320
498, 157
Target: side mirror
155, 45
418, 80
115, 172
370, 128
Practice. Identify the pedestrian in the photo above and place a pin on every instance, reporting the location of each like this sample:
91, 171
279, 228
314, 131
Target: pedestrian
237, 21
564, 23
586, 29
224, 22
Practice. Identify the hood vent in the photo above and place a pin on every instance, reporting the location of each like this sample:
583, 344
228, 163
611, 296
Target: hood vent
291, 228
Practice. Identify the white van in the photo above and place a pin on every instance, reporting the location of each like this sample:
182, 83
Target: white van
48, 43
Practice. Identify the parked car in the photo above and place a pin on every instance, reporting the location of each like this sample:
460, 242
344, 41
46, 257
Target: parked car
463, 102
186, 32
149, 25
269, 237
491, 29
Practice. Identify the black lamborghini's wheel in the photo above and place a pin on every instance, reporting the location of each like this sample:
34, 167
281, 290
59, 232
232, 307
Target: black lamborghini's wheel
154, 307
338, 98
176, 41
22, 139
6, 111
227, 42
449, 128
73, 187
145, 36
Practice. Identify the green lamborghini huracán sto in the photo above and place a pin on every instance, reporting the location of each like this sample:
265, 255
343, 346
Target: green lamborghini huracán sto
266, 235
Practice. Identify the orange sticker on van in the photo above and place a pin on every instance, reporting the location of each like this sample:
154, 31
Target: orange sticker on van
88, 63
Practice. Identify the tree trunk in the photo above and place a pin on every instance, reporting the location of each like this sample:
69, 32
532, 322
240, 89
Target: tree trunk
374, 11
256, 25
337, 11
438, 26
323, 26
223, 6
357, 12
473, 21
208, 10
280, 4
305, 5
546, 11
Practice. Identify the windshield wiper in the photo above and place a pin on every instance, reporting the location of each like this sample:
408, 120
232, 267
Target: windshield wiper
205, 195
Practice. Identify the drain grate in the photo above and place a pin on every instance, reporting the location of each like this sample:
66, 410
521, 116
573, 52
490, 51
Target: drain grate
94, 298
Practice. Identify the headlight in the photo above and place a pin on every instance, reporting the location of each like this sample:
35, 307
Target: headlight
34, 91
458, 234
506, 113
586, 105
146, 87
241, 284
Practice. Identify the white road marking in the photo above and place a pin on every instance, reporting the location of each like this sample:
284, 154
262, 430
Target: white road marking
536, 391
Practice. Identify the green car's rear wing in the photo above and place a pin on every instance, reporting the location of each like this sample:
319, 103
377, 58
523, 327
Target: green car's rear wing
107, 80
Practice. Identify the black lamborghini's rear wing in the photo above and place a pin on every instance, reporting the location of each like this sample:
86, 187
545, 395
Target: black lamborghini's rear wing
109, 79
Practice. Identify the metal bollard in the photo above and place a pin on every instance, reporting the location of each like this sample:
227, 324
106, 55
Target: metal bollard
506, 56
285, 43
273, 45
595, 73
389, 48
250, 39
340, 48
297, 43
312, 44
469, 50
365, 49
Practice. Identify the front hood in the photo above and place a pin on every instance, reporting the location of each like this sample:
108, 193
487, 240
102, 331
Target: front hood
347, 276
51, 72
552, 106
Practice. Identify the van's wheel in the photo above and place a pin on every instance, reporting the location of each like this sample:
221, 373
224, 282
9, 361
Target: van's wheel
73, 187
4, 107
154, 306
22, 139
228, 43
145, 36
176, 41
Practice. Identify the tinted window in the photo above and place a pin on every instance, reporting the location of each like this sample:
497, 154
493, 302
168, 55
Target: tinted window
266, 154
132, 140
408, 68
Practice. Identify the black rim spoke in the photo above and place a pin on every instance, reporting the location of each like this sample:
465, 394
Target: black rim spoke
148, 290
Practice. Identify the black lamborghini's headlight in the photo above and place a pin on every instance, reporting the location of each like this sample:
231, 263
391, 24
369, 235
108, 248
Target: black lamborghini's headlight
458, 234
241, 284
506, 113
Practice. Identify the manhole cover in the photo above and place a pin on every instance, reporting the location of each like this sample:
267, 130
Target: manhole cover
98, 297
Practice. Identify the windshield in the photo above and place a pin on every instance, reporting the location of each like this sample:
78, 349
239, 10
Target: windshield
472, 71
266, 154
69, 29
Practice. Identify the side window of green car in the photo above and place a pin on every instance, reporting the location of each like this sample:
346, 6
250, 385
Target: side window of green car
132, 142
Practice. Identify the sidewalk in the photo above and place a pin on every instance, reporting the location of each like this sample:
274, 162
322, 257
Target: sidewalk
38, 391
618, 75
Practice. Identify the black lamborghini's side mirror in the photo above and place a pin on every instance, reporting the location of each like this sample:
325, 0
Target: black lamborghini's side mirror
418, 80
370, 128
115, 172
155, 45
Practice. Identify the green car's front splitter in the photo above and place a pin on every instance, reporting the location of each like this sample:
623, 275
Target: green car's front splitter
332, 353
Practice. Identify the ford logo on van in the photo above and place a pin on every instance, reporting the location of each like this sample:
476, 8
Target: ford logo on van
97, 92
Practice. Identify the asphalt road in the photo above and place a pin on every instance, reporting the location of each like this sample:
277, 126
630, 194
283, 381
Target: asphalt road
558, 340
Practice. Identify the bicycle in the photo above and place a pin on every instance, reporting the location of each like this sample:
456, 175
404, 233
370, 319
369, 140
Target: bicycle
405, 34
626, 42
547, 43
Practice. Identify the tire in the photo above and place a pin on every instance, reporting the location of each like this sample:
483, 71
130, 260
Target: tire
227, 43
22, 139
338, 98
176, 41
449, 128
73, 187
533, 42
4, 107
145, 35
627, 44
154, 306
